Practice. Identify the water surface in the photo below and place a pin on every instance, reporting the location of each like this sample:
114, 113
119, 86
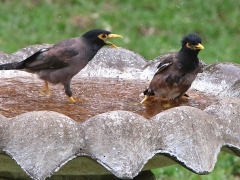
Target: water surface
93, 96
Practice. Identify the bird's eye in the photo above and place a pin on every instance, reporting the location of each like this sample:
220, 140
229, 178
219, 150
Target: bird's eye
103, 36
189, 45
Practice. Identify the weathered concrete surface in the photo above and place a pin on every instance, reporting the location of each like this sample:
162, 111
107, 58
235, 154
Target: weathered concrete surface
219, 79
227, 115
34, 137
190, 135
123, 142
115, 63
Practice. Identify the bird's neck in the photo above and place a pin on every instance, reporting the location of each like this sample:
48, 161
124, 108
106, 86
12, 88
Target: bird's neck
95, 44
188, 59
91, 48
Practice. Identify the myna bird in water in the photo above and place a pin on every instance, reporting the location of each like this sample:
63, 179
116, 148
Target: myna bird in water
62, 61
177, 71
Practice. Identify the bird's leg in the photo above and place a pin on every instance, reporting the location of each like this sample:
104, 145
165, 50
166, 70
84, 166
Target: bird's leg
71, 99
47, 90
69, 92
144, 99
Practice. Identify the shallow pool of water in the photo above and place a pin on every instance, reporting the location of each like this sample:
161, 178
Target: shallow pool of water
93, 96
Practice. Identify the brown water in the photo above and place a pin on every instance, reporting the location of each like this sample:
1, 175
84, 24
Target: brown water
93, 96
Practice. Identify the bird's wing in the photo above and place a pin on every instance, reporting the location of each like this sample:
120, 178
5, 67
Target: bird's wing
168, 61
56, 57
165, 78
169, 71
163, 66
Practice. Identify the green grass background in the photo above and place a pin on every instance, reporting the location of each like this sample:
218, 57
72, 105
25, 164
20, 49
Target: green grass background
149, 27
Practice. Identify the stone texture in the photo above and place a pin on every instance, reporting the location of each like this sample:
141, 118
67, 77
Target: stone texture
35, 137
114, 63
123, 142
227, 114
219, 79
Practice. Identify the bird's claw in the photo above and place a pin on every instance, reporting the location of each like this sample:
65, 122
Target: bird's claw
167, 105
46, 93
71, 99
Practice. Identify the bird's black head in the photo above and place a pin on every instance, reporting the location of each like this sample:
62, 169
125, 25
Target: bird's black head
193, 42
99, 37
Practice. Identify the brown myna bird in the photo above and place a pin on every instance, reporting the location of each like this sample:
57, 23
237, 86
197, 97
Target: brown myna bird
62, 61
176, 72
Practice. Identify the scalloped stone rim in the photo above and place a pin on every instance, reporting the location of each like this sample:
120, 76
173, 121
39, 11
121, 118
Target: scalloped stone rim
123, 142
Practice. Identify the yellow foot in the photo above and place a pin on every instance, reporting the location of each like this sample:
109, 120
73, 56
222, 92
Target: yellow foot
71, 99
44, 92
167, 105
144, 99
47, 91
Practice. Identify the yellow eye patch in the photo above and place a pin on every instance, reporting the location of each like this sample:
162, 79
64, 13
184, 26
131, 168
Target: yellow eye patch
103, 36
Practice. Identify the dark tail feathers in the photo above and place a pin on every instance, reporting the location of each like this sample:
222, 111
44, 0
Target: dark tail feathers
21, 65
9, 66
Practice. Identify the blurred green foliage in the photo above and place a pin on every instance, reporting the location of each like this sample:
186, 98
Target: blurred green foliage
227, 168
150, 28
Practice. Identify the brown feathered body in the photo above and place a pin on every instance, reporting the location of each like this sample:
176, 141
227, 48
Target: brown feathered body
177, 71
62, 61
58, 64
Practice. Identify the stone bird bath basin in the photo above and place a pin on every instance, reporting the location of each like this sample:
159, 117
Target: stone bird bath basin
108, 131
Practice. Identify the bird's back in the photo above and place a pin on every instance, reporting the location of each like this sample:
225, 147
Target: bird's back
172, 81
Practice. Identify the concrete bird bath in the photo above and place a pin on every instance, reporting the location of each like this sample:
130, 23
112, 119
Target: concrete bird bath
107, 131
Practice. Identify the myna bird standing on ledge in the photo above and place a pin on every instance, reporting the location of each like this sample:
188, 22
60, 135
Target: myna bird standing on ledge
176, 72
62, 61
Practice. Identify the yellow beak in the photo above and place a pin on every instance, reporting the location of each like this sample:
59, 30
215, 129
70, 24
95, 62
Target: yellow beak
113, 36
199, 46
